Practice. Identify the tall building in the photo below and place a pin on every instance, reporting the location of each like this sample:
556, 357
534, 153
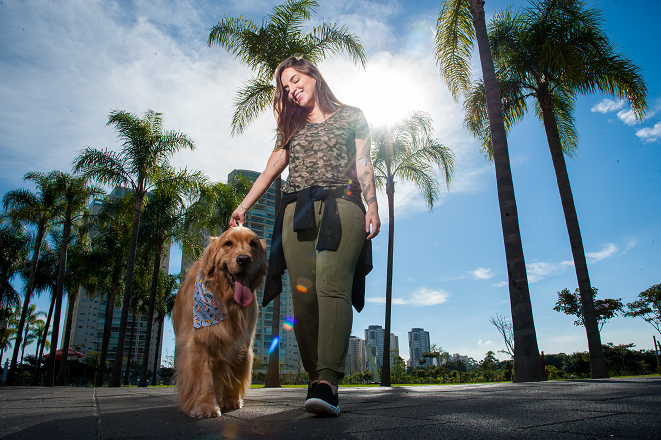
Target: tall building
356, 361
89, 315
394, 346
374, 336
418, 344
261, 219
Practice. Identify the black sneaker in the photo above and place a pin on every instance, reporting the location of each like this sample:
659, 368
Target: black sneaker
322, 401
311, 388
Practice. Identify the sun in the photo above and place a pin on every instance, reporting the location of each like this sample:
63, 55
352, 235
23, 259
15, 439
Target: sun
386, 91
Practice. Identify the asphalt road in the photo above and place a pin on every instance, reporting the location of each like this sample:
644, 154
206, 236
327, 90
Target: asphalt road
612, 408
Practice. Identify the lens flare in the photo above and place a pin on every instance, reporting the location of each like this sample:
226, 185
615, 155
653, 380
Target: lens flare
303, 284
274, 344
289, 323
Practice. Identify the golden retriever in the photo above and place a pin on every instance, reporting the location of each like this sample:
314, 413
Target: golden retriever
214, 361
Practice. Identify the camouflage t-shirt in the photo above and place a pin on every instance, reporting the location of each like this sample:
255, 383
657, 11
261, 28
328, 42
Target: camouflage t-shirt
324, 154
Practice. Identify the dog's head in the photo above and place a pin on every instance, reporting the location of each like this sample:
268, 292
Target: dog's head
238, 258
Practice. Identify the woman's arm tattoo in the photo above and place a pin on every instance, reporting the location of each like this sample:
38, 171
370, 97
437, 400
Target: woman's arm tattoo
279, 157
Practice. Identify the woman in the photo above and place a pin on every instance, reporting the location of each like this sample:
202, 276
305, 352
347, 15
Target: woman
322, 230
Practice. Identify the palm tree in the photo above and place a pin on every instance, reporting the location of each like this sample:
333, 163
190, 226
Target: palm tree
31, 319
406, 151
45, 279
11, 315
459, 23
262, 48
81, 273
37, 209
280, 36
163, 221
14, 244
551, 52
74, 194
145, 148
210, 214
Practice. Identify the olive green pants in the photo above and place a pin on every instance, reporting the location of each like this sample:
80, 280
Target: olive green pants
321, 284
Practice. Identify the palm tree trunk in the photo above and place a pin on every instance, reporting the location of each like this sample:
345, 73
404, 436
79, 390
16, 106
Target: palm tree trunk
273, 371
25, 338
150, 312
527, 362
598, 368
107, 325
127, 373
35, 378
385, 366
26, 302
115, 380
61, 377
157, 350
59, 292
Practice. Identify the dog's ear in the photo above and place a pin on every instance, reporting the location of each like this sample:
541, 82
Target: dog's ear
263, 242
209, 257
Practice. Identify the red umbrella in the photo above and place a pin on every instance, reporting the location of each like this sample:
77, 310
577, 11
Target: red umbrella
70, 354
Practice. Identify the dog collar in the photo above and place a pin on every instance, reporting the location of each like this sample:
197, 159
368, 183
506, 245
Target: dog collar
206, 311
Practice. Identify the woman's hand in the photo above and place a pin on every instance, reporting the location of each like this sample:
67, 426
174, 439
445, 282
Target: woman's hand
238, 217
372, 221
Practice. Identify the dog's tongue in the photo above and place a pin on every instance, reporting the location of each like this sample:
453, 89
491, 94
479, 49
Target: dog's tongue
242, 293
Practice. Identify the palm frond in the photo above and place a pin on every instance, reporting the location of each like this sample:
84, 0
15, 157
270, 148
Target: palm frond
251, 100
106, 167
290, 16
328, 40
454, 45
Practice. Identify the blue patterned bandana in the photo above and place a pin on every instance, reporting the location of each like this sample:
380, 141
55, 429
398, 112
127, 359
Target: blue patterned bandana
205, 309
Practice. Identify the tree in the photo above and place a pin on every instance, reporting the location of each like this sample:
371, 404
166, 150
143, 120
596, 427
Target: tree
280, 36
551, 52
45, 279
505, 329
14, 244
262, 48
459, 23
647, 306
406, 151
210, 214
570, 304
31, 320
36, 209
145, 148
74, 196
163, 221
488, 366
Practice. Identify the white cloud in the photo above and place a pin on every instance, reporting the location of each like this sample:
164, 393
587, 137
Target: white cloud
608, 250
501, 284
649, 134
632, 244
480, 342
628, 117
419, 298
482, 273
539, 270
607, 105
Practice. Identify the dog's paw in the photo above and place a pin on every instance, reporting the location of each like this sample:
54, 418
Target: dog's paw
230, 404
205, 410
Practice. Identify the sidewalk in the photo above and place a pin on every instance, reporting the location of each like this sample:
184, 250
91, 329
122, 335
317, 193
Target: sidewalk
612, 408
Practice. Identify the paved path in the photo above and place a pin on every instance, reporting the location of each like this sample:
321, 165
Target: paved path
613, 408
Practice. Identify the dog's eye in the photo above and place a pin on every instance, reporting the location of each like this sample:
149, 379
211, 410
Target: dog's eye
228, 243
253, 244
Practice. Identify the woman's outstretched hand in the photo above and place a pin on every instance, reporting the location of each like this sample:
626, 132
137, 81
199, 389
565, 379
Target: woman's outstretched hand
238, 217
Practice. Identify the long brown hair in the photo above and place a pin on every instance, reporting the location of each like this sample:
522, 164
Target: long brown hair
290, 117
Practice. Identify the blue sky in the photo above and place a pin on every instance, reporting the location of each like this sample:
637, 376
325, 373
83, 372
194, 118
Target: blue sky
64, 65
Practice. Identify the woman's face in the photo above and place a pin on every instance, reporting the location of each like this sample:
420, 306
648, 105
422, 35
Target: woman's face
300, 88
